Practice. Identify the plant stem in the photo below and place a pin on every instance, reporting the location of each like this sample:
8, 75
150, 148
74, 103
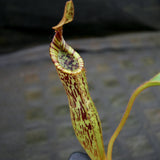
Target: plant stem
126, 114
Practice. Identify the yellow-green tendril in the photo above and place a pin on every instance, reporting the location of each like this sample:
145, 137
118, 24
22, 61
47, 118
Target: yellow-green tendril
153, 82
70, 68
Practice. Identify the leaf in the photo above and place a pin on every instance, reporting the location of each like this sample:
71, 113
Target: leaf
156, 78
67, 16
155, 81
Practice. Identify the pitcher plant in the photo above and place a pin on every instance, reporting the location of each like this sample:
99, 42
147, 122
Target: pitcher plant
84, 116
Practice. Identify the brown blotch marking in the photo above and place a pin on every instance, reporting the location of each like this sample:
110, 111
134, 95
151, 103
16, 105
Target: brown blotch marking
56, 45
73, 115
58, 35
83, 112
95, 153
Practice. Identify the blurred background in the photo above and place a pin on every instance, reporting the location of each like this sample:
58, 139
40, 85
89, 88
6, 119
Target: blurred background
120, 44
26, 23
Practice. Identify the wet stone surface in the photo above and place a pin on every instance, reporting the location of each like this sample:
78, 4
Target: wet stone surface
35, 120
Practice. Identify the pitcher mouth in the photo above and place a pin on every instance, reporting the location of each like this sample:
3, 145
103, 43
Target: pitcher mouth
64, 56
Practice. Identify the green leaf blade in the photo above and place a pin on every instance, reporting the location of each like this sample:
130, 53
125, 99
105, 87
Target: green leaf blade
156, 78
